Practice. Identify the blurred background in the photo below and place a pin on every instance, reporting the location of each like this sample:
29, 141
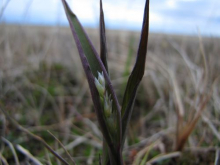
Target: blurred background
166, 16
43, 85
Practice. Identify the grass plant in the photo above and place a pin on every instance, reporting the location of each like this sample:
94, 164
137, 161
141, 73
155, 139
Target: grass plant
113, 120
176, 110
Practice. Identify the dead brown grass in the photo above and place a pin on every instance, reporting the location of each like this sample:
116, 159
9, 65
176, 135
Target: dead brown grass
181, 73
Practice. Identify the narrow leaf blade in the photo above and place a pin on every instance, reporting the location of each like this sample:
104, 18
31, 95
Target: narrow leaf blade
136, 75
103, 45
103, 55
92, 64
89, 51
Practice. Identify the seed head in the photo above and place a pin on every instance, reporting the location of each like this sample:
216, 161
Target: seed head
100, 84
101, 79
107, 105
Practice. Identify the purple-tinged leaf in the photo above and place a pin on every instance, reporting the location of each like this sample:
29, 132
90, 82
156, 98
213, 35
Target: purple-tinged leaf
103, 45
136, 74
103, 55
92, 64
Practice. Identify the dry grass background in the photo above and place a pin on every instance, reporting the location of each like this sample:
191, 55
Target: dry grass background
43, 87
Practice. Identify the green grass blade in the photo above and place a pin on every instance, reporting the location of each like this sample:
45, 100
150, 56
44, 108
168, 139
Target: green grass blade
92, 64
86, 46
103, 45
136, 74
103, 55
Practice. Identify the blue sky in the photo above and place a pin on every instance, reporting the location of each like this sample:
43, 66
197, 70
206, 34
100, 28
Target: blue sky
166, 16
